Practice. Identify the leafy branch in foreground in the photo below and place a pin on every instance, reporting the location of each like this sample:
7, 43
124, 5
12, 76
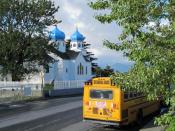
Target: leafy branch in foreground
23, 38
148, 39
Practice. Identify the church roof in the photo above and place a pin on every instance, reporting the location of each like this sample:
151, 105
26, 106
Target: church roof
70, 55
86, 58
77, 36
57, 34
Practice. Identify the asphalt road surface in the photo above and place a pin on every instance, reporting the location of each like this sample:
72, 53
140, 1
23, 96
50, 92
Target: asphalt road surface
50, 123
60, 114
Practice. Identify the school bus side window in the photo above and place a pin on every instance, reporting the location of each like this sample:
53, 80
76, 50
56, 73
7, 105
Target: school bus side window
125, 96
130, 95
135, 94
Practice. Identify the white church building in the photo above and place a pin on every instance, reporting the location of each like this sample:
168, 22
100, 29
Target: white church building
73, 64
72, 67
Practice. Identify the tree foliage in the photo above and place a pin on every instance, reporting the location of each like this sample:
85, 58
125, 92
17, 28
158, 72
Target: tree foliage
23, 39
106, 72
148, 39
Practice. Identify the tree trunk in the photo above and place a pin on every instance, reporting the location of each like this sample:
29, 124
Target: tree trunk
15, 76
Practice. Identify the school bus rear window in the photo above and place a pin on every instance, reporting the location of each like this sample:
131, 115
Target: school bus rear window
101, 94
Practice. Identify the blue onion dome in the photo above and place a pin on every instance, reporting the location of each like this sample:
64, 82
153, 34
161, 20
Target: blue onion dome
77, 36
56, 34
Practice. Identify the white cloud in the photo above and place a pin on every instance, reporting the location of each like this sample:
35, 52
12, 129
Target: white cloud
109, 57
80, 24
97, 52
72, 11
77, 13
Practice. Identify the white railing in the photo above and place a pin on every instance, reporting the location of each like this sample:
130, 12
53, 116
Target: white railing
69, 84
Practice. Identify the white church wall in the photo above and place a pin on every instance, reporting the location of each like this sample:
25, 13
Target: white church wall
76, 45
89, 70
54, 71
59, 72
73, 46
84, 76
61, 46
50, 75
68, 70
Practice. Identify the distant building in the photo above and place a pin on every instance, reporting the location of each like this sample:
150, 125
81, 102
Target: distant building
74, 63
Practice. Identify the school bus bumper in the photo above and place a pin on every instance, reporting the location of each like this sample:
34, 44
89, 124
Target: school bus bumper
114, 123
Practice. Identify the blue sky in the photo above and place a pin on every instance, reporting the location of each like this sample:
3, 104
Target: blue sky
77, 13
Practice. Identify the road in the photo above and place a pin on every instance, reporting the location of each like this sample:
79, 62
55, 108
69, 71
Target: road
60, 114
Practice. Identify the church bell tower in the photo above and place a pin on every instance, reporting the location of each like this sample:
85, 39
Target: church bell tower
76, 43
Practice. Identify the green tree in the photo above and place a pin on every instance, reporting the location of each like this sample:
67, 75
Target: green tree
68, 44
106, 72
23, 37
97, 71
148, 39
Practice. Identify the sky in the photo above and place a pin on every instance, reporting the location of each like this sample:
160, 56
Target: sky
74, 13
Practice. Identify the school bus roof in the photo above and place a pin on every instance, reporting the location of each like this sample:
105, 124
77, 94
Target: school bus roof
103, 81
102, 78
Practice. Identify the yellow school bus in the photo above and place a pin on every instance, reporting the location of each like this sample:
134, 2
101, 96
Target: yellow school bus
105, 103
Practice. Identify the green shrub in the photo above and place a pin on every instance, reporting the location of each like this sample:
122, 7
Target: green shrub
48, 87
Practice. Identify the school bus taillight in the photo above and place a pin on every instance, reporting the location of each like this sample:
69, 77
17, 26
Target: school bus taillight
114, 106
87, 103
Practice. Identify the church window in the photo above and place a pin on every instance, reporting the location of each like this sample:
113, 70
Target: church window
66, 70
78, 70
82, 70
86, 70
74, 45
79, 45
